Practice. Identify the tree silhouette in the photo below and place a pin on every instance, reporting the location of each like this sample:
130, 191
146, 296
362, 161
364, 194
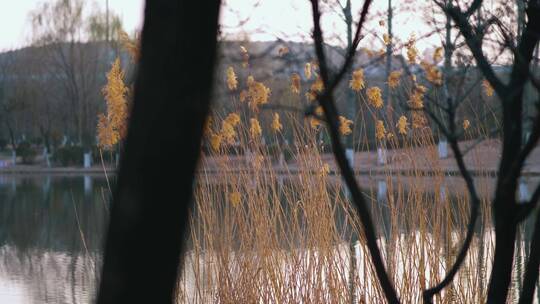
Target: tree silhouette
154, 190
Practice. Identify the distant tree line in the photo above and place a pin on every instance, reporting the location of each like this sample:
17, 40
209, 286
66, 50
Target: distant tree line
50, 91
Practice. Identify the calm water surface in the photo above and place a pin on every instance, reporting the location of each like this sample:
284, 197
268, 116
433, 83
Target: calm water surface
51, 234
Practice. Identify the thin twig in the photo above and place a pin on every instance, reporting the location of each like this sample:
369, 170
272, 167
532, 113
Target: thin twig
327, 102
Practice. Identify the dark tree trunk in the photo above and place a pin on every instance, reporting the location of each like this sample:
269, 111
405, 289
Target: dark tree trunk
154, 190
11, 134
505, 200
349, 95
531, 273
46, 135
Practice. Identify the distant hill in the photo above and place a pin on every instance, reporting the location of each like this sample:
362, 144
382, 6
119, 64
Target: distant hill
266, 61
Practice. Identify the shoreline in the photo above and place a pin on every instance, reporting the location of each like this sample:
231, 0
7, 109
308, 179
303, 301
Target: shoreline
37, 170
375, 171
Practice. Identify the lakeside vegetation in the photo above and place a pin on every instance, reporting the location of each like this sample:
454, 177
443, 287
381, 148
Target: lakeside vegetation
305, 172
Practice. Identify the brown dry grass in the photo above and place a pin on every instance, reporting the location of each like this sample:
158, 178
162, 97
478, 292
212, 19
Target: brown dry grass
289, 240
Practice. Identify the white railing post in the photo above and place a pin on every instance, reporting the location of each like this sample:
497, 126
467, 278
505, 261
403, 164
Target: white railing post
443, 149
381, 156
524, 194
46, 157
87, 160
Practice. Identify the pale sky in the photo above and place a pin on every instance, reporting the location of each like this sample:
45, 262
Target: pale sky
291, 20
264, 20
15, 23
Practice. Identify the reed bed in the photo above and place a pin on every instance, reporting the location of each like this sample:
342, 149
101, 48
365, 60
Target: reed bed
267, 228
267, 231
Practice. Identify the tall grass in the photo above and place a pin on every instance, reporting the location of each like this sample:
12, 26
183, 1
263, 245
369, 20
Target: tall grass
268, 229
293, 236
272, 220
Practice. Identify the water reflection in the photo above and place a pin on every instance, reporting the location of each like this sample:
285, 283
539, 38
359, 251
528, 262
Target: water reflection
51, 231
52, 228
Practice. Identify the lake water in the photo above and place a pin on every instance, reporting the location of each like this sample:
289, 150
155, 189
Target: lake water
51, 234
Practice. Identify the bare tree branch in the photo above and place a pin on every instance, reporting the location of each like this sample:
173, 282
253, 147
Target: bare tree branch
474, 43
330, 111
451, 134
474, 212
